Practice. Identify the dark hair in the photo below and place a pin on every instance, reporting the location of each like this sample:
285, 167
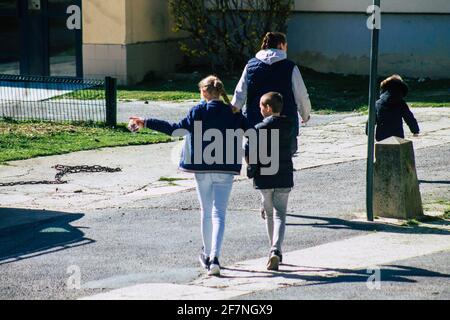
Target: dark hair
394, 83
272, 40
274, 100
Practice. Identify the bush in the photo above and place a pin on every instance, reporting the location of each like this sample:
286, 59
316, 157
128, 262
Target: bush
227, 33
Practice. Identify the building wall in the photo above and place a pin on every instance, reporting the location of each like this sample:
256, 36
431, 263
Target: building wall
414, 45
388, 6
104, 22
128, 38
151, 44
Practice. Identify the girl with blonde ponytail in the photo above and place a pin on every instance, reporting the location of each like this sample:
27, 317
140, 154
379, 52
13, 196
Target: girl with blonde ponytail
215, 88
214, 180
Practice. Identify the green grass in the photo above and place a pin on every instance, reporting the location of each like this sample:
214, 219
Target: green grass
169, 90
167, 179
329, 92
171, 181
446, 214
411, 223
337, 93
431, 219
24, 140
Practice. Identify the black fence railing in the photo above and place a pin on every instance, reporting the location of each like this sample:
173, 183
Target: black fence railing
58, 99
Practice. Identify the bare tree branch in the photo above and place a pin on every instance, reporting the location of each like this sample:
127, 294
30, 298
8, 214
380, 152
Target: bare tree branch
228, 32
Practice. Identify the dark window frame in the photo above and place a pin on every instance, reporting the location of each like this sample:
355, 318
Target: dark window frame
21, 12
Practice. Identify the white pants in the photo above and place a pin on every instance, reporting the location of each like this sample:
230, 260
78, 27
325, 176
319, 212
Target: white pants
213, 191
274, 202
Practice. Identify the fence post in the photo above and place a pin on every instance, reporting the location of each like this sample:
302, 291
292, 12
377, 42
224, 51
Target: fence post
111, 101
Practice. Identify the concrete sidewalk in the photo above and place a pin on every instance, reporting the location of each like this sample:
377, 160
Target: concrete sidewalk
326, 140
356, 255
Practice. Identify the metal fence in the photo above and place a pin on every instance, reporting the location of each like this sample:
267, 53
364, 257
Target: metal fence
58, 99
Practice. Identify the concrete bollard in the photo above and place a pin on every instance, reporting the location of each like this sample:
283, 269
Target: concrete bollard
396, 187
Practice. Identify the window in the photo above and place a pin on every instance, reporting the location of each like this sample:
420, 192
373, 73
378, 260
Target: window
9, 38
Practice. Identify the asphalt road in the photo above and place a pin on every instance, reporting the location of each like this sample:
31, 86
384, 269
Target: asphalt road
158, 240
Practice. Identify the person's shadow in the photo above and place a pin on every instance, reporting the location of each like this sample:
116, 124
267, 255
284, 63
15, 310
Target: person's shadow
321, 222
393, 273
29, 233
388, 273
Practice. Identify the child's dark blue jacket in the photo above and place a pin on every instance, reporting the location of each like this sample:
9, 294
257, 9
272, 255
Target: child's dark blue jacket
284, 178
391, 109
212, 115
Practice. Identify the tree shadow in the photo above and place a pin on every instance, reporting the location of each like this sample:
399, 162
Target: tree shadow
387, 273
341, 224
26, 234
434, 182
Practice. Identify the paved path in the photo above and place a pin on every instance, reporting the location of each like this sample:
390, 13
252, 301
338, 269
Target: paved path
328, 260
326, 140
156, 241
130, 203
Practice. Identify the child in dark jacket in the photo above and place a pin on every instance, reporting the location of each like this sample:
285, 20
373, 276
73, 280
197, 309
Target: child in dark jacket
274, 188
391, 110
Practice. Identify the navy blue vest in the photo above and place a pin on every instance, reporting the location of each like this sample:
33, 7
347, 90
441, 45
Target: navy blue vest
263, 78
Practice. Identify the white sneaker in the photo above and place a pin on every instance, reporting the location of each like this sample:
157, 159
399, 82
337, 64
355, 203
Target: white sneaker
214, 268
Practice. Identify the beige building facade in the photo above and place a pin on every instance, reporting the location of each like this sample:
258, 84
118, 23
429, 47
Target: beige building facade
129, 38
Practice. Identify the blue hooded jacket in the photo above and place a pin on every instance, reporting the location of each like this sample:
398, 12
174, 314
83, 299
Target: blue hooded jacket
212, 115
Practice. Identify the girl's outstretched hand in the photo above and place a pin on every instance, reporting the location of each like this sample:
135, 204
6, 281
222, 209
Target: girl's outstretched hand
135, 124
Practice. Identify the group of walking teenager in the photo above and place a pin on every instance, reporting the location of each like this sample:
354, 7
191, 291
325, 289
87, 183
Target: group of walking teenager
271, 97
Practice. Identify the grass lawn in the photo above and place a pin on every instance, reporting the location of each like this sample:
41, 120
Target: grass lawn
24, 140
328, 92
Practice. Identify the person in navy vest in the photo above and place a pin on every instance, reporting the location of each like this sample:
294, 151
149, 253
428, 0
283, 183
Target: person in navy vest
271, 71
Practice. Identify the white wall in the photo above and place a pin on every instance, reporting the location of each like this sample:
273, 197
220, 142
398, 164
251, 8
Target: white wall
388, 6
414, 45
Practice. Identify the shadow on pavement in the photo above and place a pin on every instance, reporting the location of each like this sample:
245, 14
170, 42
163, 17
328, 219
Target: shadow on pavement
434, 182
26, 234
338, 224
388, 273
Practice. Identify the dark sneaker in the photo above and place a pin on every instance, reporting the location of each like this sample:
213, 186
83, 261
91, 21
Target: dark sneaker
204, 261
274, 260
278, 253
214, 268
263, 213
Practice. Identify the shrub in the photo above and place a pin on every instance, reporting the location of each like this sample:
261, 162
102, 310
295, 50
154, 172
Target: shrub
226, 33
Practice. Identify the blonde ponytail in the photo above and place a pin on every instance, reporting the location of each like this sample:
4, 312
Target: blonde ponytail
214, 86
225, 98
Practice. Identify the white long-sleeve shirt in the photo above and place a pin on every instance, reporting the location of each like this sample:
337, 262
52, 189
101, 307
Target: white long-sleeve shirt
271, 56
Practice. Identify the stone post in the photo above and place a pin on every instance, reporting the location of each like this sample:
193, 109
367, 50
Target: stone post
396, 187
